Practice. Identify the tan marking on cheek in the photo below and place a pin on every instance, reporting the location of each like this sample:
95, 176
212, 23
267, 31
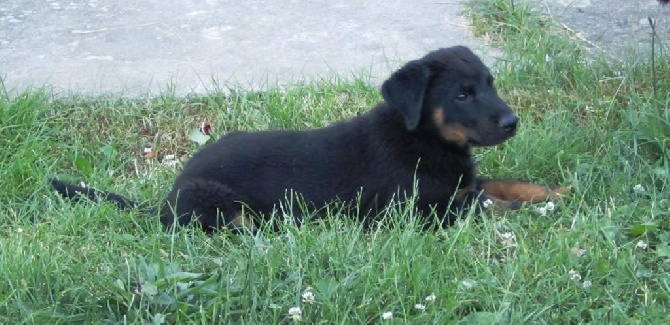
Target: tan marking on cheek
438, 116
452, 132
455, 133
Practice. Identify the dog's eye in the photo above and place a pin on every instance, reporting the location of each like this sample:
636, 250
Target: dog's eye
462, 96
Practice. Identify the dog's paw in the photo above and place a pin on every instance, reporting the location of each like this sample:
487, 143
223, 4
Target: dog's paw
496, 205
560, 191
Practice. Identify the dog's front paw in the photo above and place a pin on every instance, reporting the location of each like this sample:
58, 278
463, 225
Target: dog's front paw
493, 204
560, 191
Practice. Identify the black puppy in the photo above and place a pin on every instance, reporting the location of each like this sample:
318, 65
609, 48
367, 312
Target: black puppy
435, 110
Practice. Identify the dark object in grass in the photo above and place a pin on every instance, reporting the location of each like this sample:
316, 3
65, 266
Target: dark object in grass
435, 110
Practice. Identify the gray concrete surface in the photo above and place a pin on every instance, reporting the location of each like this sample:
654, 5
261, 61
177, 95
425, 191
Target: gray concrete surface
136, 47
617, 27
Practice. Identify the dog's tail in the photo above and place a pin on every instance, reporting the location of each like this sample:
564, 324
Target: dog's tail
76, 192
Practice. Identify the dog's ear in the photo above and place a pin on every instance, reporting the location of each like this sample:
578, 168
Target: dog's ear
405, 90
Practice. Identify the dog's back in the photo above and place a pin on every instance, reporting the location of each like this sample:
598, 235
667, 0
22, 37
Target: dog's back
366, 160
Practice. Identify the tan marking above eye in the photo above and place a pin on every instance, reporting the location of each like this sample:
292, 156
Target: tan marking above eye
468, 89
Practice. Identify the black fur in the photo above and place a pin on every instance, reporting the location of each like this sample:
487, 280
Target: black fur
435, 109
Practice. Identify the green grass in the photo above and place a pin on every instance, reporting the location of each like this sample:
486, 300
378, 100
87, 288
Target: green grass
585, 121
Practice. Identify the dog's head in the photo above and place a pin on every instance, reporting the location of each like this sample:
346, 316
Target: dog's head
450, 92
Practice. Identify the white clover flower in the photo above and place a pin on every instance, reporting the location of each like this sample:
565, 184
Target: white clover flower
638, 188
170, 160
586, 284
295, 313
547, 57
550, 206
468, 284
387, 315
431, 297
508, 236
574, 275
579, 252
641, 244
308, 297
421, 307
487, 203
19, 230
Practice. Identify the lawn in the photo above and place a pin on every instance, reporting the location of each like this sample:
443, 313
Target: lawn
602, 256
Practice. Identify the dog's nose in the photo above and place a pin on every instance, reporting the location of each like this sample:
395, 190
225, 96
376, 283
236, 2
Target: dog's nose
509, 122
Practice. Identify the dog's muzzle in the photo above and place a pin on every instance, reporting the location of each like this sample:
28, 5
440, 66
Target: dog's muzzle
508, 123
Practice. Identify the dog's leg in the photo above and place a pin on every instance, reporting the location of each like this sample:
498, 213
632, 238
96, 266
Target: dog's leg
517, 191
494, 195
481, 200
465, 200
213, 205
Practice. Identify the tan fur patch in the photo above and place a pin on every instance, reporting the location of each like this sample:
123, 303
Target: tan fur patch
496, 204
460, 194
519, 191
242, 222
451, 132
438, 116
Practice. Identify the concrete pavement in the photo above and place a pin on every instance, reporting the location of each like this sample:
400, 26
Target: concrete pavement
139, 47
136, 47
615, 27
